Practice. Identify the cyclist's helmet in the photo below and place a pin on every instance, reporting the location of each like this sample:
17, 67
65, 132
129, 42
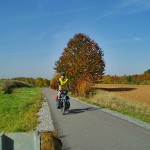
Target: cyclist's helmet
63, 74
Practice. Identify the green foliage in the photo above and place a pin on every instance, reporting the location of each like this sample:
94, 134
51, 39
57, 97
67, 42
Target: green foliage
129, 79
30, 81
1, 81
9, 85
18, 111
145, 82
148, 71
39, 82
46, 83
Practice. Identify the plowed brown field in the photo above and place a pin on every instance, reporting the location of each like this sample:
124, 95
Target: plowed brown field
140, 93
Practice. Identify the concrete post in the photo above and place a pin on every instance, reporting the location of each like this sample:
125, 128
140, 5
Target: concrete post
37, 137
1, 141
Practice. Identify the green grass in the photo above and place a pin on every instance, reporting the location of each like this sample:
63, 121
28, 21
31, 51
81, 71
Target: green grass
1, 81
125, 106
18, 111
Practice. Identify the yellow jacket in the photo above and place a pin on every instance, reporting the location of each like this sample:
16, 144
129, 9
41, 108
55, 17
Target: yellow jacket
63, 84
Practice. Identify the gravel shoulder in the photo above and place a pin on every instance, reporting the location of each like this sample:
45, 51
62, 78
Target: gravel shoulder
45, 120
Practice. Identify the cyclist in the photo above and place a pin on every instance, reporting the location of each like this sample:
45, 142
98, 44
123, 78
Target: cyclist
62, 84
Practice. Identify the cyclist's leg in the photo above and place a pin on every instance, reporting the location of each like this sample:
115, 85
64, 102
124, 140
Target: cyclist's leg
59, 93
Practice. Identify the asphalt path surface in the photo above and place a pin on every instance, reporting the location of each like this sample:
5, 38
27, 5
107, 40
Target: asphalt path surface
86, 127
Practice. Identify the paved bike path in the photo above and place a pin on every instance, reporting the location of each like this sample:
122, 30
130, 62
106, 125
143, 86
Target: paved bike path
88, 128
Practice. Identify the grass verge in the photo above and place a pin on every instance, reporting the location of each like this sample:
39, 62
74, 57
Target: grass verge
111, 101
18, 111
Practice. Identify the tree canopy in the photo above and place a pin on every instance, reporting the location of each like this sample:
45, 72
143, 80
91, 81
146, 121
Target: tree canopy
148, 71
82, 57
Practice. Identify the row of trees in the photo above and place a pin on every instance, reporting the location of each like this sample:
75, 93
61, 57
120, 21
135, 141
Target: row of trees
39, 82
130, 79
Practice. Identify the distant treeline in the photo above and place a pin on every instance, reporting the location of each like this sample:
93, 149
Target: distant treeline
39, 82
130, 79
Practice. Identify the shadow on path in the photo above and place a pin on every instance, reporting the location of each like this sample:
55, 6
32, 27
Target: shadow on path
81, 110
63, 146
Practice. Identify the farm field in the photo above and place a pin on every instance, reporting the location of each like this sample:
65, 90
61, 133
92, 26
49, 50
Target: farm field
139, 93
132, 100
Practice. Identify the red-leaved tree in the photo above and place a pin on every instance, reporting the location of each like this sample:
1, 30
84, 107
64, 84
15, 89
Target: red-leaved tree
82, 58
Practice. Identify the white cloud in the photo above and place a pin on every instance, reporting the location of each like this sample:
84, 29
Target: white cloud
133, 6
124, 7
127, 7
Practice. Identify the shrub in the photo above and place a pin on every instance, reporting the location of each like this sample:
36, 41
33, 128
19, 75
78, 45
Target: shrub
9, 85
146, 82
54, 81
54, 84
83, 86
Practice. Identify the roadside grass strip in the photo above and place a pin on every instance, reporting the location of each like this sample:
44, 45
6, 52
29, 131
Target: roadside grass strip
120, 104
18, 111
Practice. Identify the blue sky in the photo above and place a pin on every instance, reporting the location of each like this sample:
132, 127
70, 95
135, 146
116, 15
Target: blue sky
33, 34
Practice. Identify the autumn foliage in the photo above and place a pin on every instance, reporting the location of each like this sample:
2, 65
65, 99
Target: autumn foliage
39, 82
130, 79
82, 61
83, 86
54, 81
